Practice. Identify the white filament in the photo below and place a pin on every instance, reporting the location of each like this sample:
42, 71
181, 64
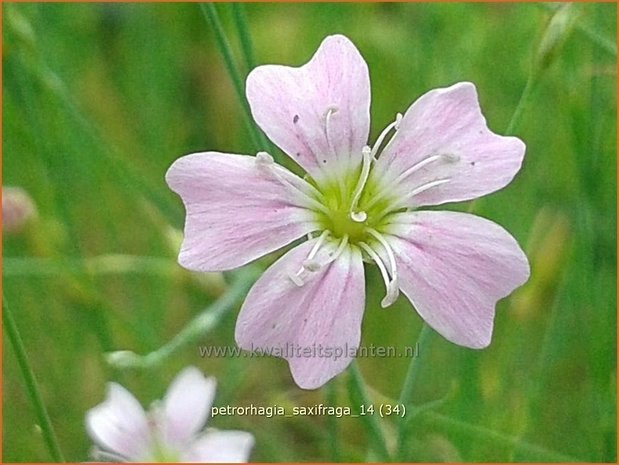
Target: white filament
311, 264
443, 157
267, 165
447, 157
391, 286
360, 217
389, 250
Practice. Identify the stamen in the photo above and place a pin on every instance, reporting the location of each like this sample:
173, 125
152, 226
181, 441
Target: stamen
425, 187
266, 164
296, 279
338, 252
391, 297
444, 157
318, 244
331, 109
264, 159
395, 125
398, 201
360, 217
391, 287
447, 157
104, 456
378, 236
309, 264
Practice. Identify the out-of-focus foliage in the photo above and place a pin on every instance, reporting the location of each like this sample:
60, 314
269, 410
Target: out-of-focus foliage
99, 99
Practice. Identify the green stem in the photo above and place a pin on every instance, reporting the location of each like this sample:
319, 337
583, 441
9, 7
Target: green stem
31, 382
359, 396
514, 122
212, 17
331, 399
408, 387
240, 21
199, 326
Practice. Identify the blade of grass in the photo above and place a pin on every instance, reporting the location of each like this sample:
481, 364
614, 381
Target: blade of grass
608, 45
212, 18
479, 433
410, 381
242, 28
32, 387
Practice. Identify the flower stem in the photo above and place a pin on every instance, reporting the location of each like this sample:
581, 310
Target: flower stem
331, 399
198, 327
359, 396
212, 17
411, 379
31, 383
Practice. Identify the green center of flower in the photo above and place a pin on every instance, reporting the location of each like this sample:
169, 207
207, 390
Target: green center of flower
349, 210
162, 453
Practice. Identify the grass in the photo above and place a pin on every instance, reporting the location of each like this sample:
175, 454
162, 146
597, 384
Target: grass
99, 99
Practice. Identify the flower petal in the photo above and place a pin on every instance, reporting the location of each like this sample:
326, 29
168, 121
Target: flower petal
444, 136
221, 447
237, 209
119, 424
186, 406
291, 104
315, 326
454, 267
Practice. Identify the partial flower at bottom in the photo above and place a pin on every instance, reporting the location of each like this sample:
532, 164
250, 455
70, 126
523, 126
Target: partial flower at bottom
170, 431
357, 203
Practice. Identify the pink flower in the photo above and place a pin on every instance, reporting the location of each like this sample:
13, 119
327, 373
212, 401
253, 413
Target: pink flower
170, 432
354, 205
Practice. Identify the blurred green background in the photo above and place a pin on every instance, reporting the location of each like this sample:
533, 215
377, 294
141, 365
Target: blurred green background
99, 99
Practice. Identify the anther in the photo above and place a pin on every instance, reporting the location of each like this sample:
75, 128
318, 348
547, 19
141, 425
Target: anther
296, 278
450, 157
311, 265
331, 109
264, 159
398, 120
395, 125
